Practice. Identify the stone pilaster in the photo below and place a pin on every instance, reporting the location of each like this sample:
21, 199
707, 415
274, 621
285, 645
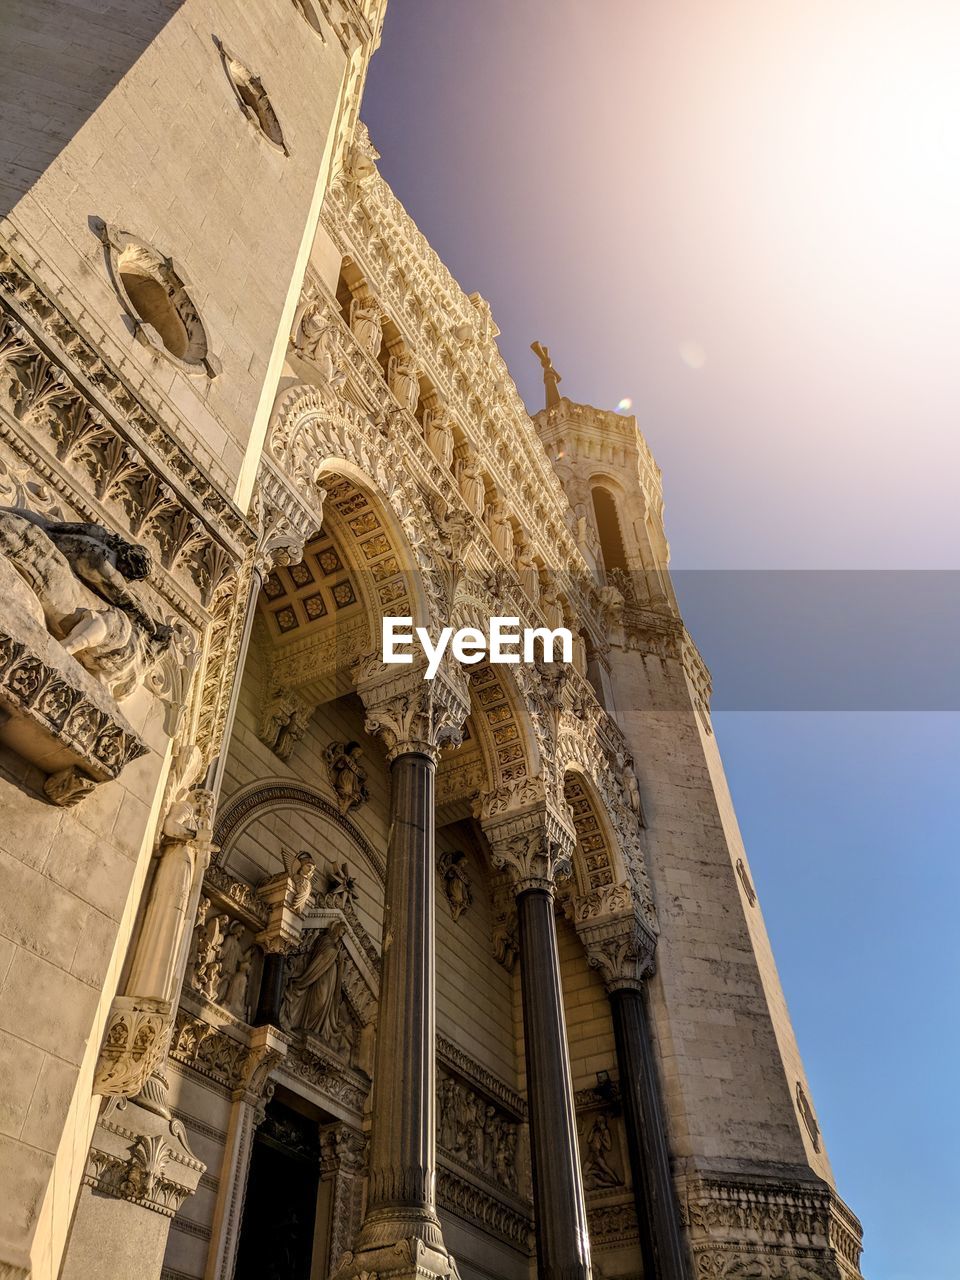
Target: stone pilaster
621, 945
250, 1100
401, 1234
342, 1170
534, 847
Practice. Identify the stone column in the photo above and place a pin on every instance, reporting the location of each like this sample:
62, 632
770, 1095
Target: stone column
249, 1108
401, 1231
535, 849
621, 946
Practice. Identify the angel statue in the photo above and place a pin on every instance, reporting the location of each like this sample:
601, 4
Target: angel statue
301, 870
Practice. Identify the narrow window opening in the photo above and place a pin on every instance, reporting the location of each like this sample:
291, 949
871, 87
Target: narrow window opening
608, 530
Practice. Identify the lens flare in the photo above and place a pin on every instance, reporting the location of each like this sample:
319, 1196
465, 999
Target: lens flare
692, 354
625, 405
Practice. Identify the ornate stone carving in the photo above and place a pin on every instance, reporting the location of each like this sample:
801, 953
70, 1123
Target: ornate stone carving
474, 1130
602, 1166
403, 380
58, 716
534, 847
615, 935
133, 1046
456, 882
312, 998
769, 1230
283, 722
140, 1155
206, 969
74, 577
366, 323
410, 713
438, 433
315, 333
347, 776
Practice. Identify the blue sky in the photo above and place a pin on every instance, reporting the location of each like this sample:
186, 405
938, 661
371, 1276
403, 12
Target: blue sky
776, 188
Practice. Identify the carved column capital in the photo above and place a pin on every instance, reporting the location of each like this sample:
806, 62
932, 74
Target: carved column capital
533, 846
410, 713
285, 521
617, 939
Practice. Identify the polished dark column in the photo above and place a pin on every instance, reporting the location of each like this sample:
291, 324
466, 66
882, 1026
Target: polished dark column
563, 1247
271, 990
662, 1247
401, 1203
401, 1234
620, 942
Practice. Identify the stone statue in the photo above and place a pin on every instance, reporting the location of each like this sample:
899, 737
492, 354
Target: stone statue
551, 378
438, 433
501, 530
207, 966
235, 997
231, 953
470, 481
528, 573
347, 777
597, 1171
163, 943
403, 381
631, 784
311, 1001
552, 608
456, 882
78, 575
366, 323
316, 340
300, 870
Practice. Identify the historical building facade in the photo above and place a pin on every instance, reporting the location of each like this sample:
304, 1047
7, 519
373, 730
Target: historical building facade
310, 966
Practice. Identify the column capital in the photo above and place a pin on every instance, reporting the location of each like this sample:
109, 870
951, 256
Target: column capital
617, 939
533, 845
413, 714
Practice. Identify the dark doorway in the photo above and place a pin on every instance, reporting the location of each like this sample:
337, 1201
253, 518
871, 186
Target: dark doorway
279, 1215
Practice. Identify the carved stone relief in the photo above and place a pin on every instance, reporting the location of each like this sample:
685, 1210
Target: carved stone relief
347, 776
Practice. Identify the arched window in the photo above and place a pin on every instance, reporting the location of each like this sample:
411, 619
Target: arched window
608, 530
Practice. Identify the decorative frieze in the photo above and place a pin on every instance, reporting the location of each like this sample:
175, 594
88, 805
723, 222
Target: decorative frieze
772, 1230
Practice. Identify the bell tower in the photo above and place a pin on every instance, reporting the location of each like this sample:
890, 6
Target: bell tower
747, 1153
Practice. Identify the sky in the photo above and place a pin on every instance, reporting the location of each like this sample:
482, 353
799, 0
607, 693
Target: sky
742, 217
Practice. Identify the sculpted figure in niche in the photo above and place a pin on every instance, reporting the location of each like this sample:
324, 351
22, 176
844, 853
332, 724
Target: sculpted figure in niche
456, 882
79, 574
235, 997
438, 433
501, 530
528, 573
208, 935
347, 777
185, 846
231, 953
597, 1171
471, 484
311, 1001
551, 605
366, 323
316, 339
403, 381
